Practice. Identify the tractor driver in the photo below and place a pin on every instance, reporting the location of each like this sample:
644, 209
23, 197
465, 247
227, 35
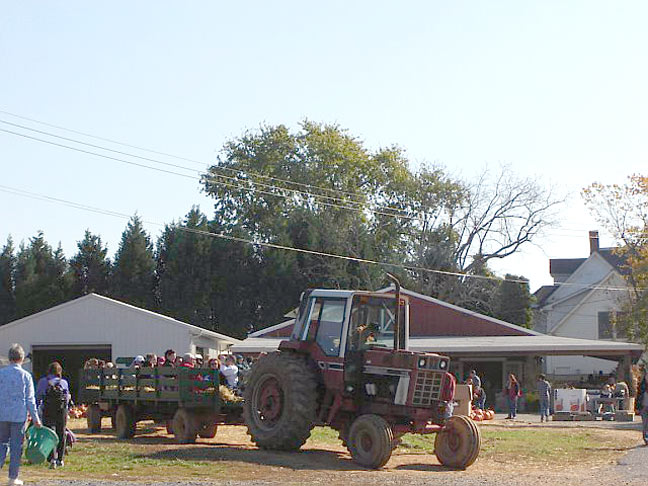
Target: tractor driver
365, 335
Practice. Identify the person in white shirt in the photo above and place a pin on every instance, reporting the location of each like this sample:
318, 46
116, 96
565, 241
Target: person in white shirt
230, 371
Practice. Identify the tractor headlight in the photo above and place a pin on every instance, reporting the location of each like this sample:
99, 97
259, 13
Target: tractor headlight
422, 363
443, 364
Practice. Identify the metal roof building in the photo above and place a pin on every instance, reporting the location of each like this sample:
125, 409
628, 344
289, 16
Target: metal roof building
97, 326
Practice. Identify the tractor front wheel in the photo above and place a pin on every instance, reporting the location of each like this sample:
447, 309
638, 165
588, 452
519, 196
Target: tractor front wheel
458, 443
280, 401
370, 441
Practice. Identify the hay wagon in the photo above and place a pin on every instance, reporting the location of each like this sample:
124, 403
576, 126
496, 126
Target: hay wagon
190, 402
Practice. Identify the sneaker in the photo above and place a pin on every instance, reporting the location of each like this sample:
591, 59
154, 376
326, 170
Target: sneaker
15, 482
60, 463
53, 465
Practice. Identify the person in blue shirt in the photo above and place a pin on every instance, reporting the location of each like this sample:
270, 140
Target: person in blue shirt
16, 400
53, 400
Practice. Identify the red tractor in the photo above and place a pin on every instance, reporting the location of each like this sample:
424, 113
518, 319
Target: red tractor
346, 365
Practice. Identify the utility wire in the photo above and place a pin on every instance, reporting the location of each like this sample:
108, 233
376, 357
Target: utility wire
156, 161
197, 162
217, 177
84, 207
198, 178
202, 164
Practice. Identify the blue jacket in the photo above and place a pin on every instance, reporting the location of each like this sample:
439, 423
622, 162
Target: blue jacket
16, 394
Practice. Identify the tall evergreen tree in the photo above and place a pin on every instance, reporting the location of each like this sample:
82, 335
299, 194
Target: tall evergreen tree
184, 270
7, 272
40, 278
134, 269
90, 266
512, 301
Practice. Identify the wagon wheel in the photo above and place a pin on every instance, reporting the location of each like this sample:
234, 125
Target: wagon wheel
185, 429
93, 418
125, 423
208, 431
457, 445
370, 441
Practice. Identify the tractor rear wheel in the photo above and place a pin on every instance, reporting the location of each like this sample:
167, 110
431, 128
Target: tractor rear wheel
125, 423
370, 441
458, 443
93, 417
280, 401
185, 429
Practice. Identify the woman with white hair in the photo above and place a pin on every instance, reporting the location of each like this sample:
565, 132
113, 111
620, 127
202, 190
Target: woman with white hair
16, 399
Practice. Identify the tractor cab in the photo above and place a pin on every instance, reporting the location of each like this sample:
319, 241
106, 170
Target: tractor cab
345, 321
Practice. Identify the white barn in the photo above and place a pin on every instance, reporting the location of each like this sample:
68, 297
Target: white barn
97, 326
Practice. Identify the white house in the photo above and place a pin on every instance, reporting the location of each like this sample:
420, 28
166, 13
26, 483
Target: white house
586, 294
96, 326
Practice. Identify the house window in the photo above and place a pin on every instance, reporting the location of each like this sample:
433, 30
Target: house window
604, 326
610, 327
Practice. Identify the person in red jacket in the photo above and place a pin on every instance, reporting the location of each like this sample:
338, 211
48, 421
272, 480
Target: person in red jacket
513, 392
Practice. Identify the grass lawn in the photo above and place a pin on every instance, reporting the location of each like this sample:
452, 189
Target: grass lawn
230, 455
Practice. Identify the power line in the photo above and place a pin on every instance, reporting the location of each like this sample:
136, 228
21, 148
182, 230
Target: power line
202, 164
214, 179
197, 162
156, 161
236, 181
84, 207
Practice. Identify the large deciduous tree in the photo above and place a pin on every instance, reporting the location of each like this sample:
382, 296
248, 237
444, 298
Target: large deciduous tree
623, 211
321, 189
341, 198
133, 279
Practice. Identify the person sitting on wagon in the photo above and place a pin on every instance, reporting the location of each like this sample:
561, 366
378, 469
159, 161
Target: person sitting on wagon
188, 361
151, 360
138, 362
230, 371
170, 357
199, 361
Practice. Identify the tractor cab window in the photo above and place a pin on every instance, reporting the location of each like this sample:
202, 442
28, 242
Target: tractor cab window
308, 317
371, 323
329, 327
322, 320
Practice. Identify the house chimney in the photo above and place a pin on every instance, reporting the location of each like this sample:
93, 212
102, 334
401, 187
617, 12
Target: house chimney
594, 241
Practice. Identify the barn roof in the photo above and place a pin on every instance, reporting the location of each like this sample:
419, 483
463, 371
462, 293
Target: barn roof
486, 345
452, 320
430, 317
109, 301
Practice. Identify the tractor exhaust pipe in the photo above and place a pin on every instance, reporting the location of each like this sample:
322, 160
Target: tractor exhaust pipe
397, 321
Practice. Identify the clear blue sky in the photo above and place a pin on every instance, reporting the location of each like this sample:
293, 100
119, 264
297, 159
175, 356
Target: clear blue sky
555, 89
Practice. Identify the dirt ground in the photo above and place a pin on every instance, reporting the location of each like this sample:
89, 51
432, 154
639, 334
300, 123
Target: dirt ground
232, 459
